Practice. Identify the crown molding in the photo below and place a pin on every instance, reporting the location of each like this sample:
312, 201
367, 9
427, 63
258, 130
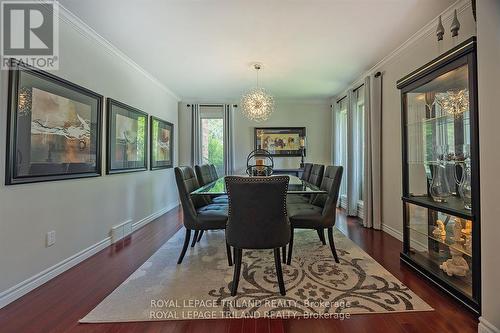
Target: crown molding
86, 31
425, 31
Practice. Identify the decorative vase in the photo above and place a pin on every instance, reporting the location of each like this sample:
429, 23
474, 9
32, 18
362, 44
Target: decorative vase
439, 187
465, 187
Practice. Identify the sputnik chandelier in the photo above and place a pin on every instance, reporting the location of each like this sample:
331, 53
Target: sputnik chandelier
454, 102
257, 104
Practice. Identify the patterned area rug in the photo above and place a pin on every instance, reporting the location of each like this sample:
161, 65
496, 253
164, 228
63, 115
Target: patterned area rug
199, 288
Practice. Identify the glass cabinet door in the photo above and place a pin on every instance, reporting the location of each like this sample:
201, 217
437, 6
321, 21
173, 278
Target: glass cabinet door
438, 140
441, 243
440, 160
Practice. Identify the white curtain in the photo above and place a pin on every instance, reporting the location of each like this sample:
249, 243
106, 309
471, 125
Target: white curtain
195, 134
228, 140
352, 176
372, 193
340, 145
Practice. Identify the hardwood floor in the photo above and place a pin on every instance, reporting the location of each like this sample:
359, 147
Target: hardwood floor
58, 305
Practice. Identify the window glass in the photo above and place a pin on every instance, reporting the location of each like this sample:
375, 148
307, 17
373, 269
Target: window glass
212, 137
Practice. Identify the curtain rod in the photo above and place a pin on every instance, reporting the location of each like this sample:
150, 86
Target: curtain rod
213, 105
376, 75
357, 88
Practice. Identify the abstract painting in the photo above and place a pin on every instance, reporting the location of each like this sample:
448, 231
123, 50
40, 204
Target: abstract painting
127, 138
54, 128
280, 141
161, 144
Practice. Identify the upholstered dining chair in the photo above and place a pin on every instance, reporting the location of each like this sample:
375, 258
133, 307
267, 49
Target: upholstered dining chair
304, 198
316, 175
198, 214
206, 174
307, 171
320, 214
257, 219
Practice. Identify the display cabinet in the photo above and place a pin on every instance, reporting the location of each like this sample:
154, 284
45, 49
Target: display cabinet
441, 173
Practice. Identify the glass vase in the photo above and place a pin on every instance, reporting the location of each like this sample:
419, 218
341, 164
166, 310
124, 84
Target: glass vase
439, 187
465, 187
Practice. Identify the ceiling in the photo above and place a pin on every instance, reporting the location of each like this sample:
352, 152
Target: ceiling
203, 49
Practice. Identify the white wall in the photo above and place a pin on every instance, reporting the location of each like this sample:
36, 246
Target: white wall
419, 50
315, 115
80, 211
488, 31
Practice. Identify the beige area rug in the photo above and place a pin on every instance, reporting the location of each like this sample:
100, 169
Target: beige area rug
199, 288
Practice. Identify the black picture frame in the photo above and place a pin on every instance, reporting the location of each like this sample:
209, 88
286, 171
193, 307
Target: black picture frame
127, 115
155, 164
57, 148
259, 131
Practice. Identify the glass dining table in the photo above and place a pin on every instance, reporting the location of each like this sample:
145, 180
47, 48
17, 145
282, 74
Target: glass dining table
295, 186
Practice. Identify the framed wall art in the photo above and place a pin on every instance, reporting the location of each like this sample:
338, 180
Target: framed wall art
54, 128
162, 144
281, 141
127, 138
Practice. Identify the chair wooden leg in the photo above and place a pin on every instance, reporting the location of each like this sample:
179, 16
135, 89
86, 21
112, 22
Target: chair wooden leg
229, 256
279, 272
321, 235
185, 246
237, 268
283, 249
332, 245
196, 232
200, 235
290, 247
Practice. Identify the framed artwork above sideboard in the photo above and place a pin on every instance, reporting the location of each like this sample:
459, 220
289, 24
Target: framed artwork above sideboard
281, 141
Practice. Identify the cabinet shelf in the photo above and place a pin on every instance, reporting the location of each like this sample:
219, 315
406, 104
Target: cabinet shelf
439, 120
453, 206
447, 242
429, 263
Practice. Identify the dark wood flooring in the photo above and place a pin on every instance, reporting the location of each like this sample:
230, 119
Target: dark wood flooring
57, 305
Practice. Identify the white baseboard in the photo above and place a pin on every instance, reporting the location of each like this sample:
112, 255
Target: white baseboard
24, 287
487, 327
393, 232
37, 280
399, 236
139, 224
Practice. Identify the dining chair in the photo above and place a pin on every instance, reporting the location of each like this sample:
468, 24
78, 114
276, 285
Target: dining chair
213, 172
320, 214
313, 175
316, 175
302, 198
198, 214
206, 174
257, 219
307, 171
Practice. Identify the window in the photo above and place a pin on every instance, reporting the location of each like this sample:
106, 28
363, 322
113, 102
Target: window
212, 136
350, 134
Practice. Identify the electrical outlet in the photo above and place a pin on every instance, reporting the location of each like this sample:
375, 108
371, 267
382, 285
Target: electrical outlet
51, 238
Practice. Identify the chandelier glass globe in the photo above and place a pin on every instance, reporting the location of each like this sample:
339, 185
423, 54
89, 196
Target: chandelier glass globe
257, 104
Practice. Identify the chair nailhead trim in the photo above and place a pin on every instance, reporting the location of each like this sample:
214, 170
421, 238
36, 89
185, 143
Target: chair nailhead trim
256, 180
